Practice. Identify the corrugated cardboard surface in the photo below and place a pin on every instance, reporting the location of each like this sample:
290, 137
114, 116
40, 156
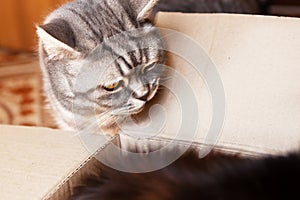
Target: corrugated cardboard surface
42, 163
257, 59
258, 62
34, 161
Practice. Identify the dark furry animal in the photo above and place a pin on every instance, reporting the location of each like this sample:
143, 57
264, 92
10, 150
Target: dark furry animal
215, 177
214, 6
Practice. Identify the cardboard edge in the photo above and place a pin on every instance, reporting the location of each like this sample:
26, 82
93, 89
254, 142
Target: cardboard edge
231, 15
64, 189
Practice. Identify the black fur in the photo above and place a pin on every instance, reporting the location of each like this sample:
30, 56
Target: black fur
214, 6
215, 177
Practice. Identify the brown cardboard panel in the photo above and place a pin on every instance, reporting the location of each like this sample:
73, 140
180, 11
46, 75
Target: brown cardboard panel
257, 59
34, 161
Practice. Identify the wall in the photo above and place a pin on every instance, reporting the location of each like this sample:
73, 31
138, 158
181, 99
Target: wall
18, 20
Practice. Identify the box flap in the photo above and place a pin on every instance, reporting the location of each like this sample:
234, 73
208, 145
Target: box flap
34, 161
256, 58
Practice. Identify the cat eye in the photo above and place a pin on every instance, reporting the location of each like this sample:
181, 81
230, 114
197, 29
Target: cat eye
149, 67
113, 86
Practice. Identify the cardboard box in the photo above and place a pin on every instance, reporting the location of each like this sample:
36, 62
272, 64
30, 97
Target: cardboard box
256, 60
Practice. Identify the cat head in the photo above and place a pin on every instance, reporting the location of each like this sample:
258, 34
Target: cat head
101, 57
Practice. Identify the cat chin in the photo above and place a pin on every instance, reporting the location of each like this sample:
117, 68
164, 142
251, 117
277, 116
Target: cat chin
110, 129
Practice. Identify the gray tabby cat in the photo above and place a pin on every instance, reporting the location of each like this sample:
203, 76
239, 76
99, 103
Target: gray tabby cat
94, 81
91, 79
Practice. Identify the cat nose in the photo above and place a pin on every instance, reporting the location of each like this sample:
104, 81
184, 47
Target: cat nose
143, 96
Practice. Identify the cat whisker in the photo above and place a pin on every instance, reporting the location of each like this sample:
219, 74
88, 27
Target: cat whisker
89, 125
86, 123
122, 111
104, 117
166, 79
92, 125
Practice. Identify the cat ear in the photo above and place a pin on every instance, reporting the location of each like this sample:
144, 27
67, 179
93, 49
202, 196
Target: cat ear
57, 38
143, 8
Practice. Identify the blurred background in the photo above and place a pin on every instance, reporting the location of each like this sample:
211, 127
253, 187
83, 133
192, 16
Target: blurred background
18, 18
21, 99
